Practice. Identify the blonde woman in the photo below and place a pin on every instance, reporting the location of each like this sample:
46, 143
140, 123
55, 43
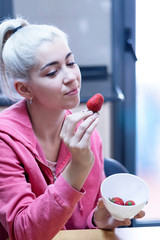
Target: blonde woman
50, 159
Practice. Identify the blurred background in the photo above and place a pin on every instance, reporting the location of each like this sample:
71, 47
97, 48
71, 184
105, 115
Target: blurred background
116, 44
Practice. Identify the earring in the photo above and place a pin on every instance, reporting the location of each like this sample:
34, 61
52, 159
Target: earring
30, 101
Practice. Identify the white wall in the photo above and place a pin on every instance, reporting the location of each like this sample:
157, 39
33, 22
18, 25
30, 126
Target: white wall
87, 23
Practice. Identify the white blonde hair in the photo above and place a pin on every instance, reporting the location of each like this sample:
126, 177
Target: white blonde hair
18, 50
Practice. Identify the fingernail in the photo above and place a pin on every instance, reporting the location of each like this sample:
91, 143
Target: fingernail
85, 110
96, 114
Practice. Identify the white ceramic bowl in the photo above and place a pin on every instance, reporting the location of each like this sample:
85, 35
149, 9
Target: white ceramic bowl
128, 187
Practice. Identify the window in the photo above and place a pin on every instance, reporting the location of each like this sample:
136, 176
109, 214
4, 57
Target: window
148, 102
137, 119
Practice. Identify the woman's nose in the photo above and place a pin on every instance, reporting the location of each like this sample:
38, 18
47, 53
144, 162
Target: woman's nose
69, 76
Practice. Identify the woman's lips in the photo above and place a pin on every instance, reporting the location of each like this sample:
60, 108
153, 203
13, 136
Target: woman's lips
72, 92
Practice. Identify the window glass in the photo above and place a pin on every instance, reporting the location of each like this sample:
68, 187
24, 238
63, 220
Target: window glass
148, 101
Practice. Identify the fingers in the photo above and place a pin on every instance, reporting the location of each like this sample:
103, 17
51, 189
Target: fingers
126, 222
86, 128
140, 215
71, 121
100, 203
70, 135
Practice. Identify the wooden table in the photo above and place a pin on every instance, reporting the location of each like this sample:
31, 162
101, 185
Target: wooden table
130, 233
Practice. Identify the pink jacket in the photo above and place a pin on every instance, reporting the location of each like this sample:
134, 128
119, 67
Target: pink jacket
32, 204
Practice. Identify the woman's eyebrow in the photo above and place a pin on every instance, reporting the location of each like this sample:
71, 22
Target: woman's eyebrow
55, 62
69, 54
49, 64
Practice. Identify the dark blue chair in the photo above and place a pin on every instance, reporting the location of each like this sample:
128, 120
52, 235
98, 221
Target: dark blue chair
112, 166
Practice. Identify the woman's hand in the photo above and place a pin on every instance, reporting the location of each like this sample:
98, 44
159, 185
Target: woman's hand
77, 141
104, 220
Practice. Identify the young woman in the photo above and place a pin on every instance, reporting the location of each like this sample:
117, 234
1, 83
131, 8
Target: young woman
50, 159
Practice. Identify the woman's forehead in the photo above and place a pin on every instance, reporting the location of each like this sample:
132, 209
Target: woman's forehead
58, 46
49, 51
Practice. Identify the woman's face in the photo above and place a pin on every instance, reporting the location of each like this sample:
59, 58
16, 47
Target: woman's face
55, 81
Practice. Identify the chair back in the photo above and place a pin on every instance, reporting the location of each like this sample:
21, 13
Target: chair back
112, 166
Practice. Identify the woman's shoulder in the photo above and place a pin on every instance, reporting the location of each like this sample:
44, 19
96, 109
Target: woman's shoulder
15, 121
13, 109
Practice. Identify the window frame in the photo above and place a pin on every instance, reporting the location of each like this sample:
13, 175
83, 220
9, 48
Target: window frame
123, 17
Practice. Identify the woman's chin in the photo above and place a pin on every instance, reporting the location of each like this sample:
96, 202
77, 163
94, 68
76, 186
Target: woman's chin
73, 105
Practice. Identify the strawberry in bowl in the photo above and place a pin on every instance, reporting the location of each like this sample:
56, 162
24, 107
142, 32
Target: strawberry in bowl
117, 200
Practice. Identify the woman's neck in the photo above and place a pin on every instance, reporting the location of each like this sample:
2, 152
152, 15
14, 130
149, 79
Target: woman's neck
46, 124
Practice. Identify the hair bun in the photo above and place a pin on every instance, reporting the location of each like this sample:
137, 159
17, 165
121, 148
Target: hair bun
10, 26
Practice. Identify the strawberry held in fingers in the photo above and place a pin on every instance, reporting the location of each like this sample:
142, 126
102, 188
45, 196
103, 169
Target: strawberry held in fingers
95, 103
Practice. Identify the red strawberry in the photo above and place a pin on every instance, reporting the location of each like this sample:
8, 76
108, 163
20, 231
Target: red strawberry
117, 200
95, 103
129, 203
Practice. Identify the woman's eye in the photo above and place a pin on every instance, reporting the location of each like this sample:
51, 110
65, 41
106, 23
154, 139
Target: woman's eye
71, 63
51, 74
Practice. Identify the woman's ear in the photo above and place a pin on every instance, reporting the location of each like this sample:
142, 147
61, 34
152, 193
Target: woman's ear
23, 89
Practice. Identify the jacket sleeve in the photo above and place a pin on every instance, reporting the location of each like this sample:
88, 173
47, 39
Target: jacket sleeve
22, 214
98, 152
